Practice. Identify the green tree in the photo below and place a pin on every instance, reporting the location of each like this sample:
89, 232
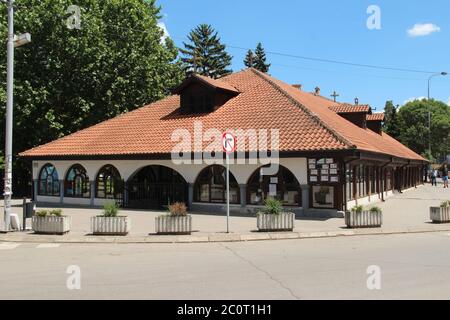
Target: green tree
205, 54
414, 131
69, 79
391, 122
249, 60
261, 59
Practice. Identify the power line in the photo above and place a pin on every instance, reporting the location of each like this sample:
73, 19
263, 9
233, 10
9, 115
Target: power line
289, 55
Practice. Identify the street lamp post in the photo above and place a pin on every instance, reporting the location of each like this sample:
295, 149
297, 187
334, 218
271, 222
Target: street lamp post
429, 107
13, 42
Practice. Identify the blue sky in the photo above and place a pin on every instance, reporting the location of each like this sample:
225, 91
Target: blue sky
334, 30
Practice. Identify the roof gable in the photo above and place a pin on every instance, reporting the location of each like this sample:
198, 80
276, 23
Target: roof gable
212, 83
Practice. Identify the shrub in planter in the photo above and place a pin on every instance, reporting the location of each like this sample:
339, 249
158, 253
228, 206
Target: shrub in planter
441, 214
176, 222
110, 223
360, 218
272, 218
51, 222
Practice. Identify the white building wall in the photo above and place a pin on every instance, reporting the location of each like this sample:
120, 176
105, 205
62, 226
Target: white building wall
126, 168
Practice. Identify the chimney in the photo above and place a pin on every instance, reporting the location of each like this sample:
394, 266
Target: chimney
317, 91
297, 86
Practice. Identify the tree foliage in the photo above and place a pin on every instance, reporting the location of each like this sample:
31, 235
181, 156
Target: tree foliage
258, 59
391, 122
69, 79
249, 59
205, 54
413, 127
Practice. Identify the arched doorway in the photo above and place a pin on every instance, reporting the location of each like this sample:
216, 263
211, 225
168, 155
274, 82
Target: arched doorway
210, 186
109, 184
282, 186
155, 187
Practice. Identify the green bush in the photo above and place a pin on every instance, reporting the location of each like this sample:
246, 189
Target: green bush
375, 210
110, 209
56, 212
42, 213
357, 209
273, 206
445, 204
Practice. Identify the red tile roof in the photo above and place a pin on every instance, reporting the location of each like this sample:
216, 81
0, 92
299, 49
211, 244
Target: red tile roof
350, 108
376, 117
305, 123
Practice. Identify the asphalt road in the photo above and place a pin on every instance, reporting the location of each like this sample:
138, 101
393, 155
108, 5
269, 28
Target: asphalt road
412, 267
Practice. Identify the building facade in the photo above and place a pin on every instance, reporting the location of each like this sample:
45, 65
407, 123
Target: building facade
317, 156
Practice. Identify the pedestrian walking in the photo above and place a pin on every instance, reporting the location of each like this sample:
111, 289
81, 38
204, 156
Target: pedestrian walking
445, 176
434, 175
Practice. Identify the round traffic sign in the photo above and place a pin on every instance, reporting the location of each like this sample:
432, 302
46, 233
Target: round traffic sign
229, 142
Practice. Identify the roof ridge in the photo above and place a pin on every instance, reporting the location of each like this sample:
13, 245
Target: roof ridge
315, 117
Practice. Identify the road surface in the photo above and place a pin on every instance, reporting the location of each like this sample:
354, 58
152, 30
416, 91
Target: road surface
414, 266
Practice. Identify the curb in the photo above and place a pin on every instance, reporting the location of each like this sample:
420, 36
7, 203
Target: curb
216, 238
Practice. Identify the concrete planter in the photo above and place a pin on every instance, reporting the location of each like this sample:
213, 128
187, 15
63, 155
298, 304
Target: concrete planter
110, 226
365, 219
173, 225
51, 225
272, 222
440, 215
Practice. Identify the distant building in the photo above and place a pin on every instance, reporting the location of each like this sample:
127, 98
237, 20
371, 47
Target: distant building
331, 155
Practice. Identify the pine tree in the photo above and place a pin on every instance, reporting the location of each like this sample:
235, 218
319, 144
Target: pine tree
261, 59
391, 125
205, 54
249, 60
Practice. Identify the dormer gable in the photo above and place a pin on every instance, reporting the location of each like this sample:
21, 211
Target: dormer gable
356, 114
200, 94
375, 122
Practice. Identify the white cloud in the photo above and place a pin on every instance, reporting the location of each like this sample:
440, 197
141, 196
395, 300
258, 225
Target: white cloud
448, 102
166, 34
414, 99
423, 29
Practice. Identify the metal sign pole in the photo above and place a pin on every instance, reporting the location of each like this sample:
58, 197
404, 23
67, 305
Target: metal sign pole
228, 193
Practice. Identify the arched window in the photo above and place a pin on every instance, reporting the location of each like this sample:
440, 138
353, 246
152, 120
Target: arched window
282, 186
77, 183
108, 184
211, 187
48, 184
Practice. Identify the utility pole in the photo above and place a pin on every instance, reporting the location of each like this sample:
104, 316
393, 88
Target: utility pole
13, 42
9, 114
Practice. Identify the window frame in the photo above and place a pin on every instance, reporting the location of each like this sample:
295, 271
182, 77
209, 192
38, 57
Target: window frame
53, 183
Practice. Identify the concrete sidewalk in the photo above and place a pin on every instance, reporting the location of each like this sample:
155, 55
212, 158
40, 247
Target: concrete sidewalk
403, 213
